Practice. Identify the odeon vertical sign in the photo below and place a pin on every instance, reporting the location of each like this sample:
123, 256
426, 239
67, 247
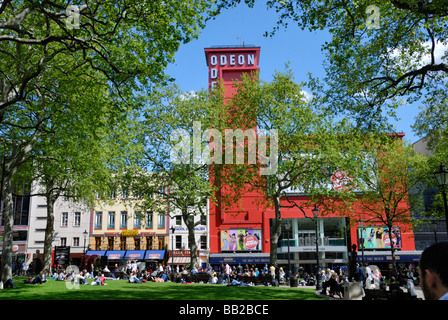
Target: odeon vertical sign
229, 63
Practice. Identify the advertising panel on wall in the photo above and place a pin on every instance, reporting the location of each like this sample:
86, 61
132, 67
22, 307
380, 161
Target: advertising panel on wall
377, 237
61, 255
240, 239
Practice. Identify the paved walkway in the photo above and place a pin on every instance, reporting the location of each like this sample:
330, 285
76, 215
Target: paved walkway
418, 290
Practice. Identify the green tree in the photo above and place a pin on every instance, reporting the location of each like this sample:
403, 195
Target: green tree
52, 66
176, 144
378, 52
386, 174
73, 148
130, 42
302, 142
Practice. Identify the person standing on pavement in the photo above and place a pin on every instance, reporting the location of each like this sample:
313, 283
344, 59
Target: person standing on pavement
272, 271
129, 267
23, 268
409, 285
227, 273
433, 272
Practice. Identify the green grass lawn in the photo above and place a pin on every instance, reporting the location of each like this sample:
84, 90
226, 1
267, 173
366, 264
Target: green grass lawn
123, 290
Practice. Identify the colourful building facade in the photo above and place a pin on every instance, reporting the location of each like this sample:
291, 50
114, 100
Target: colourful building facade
243, 235
121, 231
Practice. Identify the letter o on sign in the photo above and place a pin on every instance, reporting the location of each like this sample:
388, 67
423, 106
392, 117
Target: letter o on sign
213, 60
240, 59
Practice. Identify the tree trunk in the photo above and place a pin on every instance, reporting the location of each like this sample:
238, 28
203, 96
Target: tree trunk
49, 233
276, 231
191, 238
392, 249
8, 217
9, 169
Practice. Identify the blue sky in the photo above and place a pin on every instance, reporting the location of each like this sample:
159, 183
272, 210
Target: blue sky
301, 49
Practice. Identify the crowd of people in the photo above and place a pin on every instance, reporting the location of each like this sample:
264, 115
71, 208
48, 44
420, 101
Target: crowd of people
370, 278
431, 275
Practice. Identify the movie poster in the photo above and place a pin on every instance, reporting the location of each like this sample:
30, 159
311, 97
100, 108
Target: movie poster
378, 237
241, 240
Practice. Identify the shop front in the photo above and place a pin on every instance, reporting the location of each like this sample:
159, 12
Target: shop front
179, 258
182, 258
145, 259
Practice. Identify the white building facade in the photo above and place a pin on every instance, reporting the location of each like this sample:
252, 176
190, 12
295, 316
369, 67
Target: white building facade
179, 246
71, 226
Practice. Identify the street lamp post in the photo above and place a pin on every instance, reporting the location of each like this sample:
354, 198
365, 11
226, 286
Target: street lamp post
85, 233
435, 224
318, 275
288, 227
172, 250
442, 178
361, 224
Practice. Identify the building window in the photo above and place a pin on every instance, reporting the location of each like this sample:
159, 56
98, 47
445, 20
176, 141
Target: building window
203, 220
137, 243
137, 220
203, 242
178, 242
63, 242
111, 220
77, 219
123, 219
137, 194
124, 193
160, 220
178, 220
149, 243
161, 241
110, 243
149, 219
98, 220
123, 243
112, 194
76, 242
64, 219
98, 243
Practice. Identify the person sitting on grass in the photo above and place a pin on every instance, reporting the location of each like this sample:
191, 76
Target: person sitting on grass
99, 280
8, 284
133, 278
62, 276
236, 282
80, 278
29, 280
39, 279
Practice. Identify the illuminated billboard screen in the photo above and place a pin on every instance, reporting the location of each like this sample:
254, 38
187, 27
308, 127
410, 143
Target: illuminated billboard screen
378, 237
241, 239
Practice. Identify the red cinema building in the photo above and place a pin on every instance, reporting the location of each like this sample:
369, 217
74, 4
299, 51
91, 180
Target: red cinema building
242, 236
